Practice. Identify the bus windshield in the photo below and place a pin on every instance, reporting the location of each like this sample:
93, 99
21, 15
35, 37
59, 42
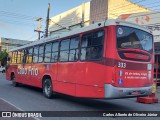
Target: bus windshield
128, 37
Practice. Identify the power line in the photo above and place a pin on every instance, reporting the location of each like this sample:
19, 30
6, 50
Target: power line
148, 7
16, 22
127, 5
17, 15
128, 12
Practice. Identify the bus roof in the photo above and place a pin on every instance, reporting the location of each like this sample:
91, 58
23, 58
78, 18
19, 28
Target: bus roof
83, 29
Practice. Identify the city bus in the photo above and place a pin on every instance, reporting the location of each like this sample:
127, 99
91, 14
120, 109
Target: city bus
110, 59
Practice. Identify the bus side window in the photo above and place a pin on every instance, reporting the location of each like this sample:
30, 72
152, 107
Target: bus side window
41, 53
14, 57
35, 54
19, 57
29, 55
73, 52
25, 56
92, 46
54, 55
47, 55
11, 57
22, 55
64, 50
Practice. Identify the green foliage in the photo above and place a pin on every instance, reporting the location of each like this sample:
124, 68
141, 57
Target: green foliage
3, 56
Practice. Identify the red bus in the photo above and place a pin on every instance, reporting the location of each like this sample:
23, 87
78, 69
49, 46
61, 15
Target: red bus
110, 59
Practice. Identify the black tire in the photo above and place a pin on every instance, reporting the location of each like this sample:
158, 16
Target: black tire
47, 89
14, 83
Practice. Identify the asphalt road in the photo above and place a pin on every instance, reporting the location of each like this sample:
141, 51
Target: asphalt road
31, 99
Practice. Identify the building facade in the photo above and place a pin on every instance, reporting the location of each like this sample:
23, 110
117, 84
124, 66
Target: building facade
8, 43
149, 20
71, 19
92, 12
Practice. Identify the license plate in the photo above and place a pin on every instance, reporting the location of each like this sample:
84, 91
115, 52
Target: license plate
135, 92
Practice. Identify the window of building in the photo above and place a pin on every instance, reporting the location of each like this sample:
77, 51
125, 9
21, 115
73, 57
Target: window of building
47, 55
92, 46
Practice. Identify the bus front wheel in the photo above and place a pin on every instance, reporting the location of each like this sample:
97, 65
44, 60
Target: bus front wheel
47, 89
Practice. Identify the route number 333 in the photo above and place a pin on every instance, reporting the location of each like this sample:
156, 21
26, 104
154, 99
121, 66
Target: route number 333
121, 65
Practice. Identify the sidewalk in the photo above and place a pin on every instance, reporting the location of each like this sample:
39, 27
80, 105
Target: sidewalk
4, 106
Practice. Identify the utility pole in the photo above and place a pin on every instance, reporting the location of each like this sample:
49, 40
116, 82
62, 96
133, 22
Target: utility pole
47, 21
39, 28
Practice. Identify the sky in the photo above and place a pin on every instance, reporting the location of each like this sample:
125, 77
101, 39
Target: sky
18, 17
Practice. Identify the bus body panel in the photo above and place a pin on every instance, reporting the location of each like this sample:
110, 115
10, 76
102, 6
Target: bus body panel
68, 74
89, 91
137, 70
93, 80
110, 55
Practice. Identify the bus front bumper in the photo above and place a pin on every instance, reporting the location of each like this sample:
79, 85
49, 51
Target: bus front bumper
119, 92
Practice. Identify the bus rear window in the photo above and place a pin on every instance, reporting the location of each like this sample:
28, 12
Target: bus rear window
128, 37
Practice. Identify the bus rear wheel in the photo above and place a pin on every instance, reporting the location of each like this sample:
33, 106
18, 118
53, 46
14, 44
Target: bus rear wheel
14, 83
47, 89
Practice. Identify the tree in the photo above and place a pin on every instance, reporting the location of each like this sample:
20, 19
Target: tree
3, 57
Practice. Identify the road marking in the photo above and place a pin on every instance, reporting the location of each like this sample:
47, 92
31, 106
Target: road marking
15, 106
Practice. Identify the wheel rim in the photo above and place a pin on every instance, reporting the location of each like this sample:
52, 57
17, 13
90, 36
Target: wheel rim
47, 89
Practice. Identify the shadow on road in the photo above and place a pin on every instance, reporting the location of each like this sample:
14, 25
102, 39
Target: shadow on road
95, 104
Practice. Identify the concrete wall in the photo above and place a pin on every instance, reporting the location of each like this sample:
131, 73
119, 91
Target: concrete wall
119, 7
70, 19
